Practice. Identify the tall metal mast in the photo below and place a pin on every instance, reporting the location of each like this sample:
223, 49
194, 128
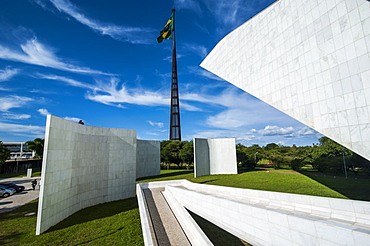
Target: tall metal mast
175, 130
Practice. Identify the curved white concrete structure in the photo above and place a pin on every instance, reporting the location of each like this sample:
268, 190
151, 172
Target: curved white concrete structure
309, 59
261, 217
85, 166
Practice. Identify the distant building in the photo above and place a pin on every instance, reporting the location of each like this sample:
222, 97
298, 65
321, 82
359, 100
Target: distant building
19, 150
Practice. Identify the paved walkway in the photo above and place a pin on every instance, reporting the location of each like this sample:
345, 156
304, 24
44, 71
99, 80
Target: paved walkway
18, 199
166, 227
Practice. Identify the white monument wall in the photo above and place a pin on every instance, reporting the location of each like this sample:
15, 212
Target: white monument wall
214, 156
148, 158
309, 59
83, 166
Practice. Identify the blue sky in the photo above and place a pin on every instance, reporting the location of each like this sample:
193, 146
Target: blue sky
99, 61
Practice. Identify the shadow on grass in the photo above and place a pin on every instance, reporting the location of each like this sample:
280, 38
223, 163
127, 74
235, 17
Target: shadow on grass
245, 170
356, 189
106, 235
207, 181
218, 236
96, 212
165, 175
5, 239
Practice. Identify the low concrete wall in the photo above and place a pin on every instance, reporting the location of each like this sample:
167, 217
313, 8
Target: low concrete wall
273, 218
148, 158
214, 156
267, 218
83, 166
193, 232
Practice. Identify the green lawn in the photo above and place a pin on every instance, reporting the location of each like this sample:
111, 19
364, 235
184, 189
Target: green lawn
118, 223
113, 223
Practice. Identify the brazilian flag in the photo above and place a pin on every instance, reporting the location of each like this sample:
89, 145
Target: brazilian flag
167, 31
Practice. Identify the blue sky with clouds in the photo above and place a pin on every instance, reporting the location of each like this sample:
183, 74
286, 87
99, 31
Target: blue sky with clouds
99, 61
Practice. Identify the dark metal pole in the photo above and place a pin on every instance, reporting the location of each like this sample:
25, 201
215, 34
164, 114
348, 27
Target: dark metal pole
344, 163
175, 130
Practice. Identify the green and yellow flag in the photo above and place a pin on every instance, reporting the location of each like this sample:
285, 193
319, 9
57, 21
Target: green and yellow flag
167, 31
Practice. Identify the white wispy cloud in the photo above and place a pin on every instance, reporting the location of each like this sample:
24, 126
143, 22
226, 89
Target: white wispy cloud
16, 116
74, 119
234, 12
276, 130
115, 93
67, 80
8, 73
288, 132
238, 135
26, 130
157, 124
188, 4
197, 49
36, 53
9, 102
229, 119
43, 111
204, 73
128, 34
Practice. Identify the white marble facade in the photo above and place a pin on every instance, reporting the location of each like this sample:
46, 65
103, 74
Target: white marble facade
84, 166
309, 59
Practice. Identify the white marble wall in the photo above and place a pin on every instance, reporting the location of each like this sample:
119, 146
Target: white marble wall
148, 158
214, 156
83, 166
309, 59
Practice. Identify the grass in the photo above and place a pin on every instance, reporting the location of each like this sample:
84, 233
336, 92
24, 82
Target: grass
168, 175
118, 223
113, 223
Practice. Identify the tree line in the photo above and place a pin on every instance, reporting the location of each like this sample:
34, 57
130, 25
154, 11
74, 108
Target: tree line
326, 156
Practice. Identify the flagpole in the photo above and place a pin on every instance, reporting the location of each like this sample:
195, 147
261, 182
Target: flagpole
175, 130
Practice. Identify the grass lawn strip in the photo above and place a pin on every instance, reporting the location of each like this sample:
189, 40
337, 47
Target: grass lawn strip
118, 223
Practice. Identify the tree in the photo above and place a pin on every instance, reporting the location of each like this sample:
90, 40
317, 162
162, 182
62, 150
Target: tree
36, 145
187, 153
328, 156
170, 152
247, 156
4, 153
271, 146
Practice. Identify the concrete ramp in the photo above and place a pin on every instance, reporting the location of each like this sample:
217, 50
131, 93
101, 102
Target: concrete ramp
257, 217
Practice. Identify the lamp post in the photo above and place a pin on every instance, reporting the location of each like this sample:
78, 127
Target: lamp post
255, 157
344, 163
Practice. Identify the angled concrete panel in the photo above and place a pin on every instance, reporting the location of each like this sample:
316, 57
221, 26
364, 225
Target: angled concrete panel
214, 156
148, 158
309, 59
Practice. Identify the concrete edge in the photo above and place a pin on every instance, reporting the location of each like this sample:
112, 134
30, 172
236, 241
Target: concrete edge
146, 222
193, 232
